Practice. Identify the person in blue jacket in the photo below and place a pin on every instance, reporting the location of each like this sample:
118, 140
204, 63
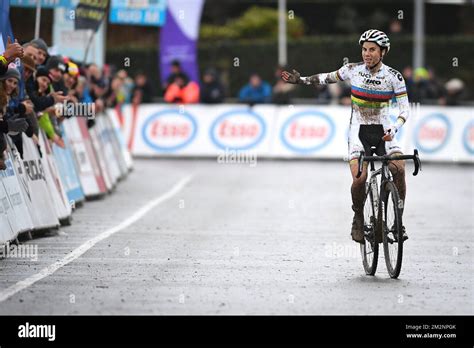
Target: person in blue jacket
256, 91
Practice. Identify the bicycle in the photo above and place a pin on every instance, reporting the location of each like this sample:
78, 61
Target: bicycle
382, 204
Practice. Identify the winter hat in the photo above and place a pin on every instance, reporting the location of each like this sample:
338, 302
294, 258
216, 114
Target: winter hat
56, 62
42, 71
40, 44
72, 69
11, 72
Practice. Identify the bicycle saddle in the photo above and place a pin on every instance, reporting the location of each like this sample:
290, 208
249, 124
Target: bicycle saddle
370, 136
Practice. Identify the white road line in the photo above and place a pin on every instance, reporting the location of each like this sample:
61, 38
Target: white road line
73, 255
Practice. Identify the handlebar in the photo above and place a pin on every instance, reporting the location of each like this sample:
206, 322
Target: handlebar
415, 157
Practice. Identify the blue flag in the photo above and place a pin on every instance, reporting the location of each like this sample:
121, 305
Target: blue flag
5, 26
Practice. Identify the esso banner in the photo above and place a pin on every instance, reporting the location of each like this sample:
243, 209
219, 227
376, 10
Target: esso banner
237, 130
468, 138
311, 131
432, 133
197, 130
166, 129
242, 128
307, 132
293, 131
444, 133
169, 130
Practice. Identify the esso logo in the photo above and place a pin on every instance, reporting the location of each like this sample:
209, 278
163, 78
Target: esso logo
432, 133
307, 131
468, 137
169, 130
237, 130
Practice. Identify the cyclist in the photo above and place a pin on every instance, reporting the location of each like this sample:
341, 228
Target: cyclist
373, 85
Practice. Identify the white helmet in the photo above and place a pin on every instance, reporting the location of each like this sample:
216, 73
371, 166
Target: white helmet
377, 36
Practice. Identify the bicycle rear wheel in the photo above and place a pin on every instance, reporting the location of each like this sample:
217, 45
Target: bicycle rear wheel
370, 249
392, 231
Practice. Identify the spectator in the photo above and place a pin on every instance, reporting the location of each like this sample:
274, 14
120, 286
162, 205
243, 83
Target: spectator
395, 28
256, 91
13, 124
42, 50
82, 91
212, 91
56, 68
46, 100
427, 88
28, 70
46, 117
454, 92
97, 86
115, 96
407, 73
281, 89
182, 91
13, 51
70, 78
141, 92
31, 51
128, 85
29, 67
10, 81
175, 72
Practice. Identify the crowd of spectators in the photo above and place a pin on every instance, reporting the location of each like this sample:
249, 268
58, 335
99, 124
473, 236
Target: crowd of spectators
36, 87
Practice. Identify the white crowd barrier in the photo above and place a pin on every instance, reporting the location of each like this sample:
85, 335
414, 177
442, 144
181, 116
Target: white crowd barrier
14, 202
65, 162
444, 134
40, 190
88, 170
53, 180
32, 172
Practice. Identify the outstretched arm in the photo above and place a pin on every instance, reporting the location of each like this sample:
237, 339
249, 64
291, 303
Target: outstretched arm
317, 79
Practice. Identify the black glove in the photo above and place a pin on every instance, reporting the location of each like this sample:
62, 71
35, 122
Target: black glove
17, 124
293, 78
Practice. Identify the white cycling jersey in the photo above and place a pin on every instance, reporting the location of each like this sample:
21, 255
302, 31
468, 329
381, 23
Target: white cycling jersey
371, 95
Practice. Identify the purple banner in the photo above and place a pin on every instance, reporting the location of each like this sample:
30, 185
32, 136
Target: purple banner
178, 37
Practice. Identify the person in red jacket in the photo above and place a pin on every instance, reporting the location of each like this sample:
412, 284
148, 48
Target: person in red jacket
182, 91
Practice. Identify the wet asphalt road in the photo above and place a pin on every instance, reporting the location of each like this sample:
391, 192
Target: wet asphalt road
236, 239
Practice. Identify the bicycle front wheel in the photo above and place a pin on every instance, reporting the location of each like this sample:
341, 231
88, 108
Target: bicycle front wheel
392, 230
370, 249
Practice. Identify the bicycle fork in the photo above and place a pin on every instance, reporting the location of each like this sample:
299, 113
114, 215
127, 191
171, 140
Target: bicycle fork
378, 204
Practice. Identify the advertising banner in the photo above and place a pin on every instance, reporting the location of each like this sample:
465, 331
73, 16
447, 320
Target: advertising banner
178, 37
33, 178
53, 179
90, 176
90, 14
67, 171
302, 131
132, 12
